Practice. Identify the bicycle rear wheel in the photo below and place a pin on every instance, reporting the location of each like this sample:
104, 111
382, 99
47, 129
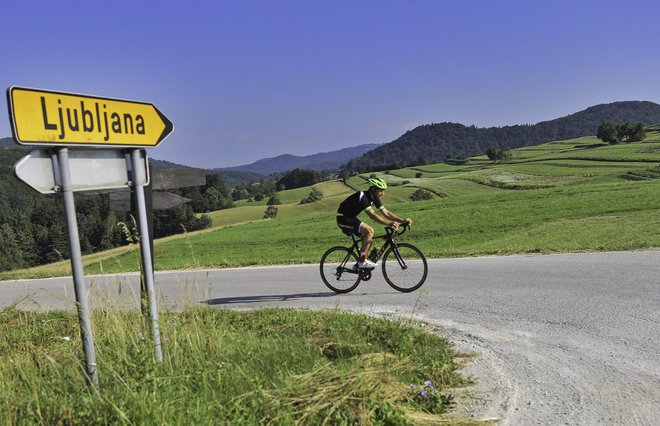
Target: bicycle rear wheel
404, 267
336, 269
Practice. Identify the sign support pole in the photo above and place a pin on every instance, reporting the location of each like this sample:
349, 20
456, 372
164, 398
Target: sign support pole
76, 265
139, 179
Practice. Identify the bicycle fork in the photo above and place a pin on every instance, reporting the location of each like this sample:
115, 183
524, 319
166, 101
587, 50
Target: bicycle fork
402, 263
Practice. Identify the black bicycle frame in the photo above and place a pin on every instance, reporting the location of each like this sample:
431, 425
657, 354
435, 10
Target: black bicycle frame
389, 241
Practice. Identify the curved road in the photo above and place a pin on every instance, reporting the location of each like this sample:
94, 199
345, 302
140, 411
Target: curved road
559, 339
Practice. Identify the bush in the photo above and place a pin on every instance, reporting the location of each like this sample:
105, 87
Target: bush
314, 195
421, 195
497, 154
419, 175
270, 213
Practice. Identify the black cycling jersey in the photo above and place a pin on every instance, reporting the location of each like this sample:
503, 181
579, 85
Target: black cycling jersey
361, 200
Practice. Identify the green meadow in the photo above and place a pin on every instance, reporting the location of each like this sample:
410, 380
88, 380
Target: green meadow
566, 196
282, 367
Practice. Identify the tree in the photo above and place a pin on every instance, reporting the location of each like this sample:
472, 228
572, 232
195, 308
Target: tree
638, 133
270, 213
624, 131
297, 178
274, 200
344, 174
614, 133
10, 253
240, 193
495, 154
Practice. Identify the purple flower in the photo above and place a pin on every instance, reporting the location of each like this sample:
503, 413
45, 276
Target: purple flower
429, 384
424, 394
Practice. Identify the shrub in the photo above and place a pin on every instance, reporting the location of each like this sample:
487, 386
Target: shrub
270, 213
314, 195
420, 195
419, 175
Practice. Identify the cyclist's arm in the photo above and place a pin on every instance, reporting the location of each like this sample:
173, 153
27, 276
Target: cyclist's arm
388, 214
378, 218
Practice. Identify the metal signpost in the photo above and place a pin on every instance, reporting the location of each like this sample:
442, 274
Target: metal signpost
160, 179
63, 120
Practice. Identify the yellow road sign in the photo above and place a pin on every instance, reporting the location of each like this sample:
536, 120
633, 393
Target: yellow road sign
44, 117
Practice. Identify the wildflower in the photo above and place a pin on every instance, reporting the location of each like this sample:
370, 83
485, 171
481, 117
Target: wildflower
425, 394
66, 338
429, 384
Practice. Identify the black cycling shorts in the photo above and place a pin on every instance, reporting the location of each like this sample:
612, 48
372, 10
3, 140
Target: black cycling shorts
349, 224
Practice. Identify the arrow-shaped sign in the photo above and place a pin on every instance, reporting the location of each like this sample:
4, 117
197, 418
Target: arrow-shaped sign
43, 117
91, 170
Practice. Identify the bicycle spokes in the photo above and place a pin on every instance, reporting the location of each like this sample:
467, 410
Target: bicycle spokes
336, 272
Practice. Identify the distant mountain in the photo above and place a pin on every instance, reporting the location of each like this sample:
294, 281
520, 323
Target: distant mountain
162, 164
323, 161
438, 142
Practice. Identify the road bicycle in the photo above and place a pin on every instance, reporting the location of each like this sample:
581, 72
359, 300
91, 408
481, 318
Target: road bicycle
404, 265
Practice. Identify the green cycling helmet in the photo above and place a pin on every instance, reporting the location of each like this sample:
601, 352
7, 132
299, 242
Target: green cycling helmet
378, 183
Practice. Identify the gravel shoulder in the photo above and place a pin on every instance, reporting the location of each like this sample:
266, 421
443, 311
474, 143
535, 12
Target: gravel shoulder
528, 378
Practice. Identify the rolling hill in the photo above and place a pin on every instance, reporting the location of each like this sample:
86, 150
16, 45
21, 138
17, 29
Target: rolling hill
438, 142
322, 161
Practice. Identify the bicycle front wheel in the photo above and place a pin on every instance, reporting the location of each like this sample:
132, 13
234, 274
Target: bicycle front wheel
337, 270
404, 267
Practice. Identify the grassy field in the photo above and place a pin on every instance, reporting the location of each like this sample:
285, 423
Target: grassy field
301, 367
559, 197
220, 367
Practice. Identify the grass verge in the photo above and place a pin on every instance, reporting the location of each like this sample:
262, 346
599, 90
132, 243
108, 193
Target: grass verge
270, 366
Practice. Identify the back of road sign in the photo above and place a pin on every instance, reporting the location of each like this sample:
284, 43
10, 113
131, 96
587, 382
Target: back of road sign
91, 170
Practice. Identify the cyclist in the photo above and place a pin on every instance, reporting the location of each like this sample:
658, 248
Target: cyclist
366, 200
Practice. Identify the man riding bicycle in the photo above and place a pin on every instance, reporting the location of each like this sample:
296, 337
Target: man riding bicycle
366, 200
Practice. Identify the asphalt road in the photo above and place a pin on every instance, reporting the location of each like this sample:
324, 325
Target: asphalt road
559, 339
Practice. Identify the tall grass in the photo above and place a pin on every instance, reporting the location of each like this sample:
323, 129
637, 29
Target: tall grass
223, 367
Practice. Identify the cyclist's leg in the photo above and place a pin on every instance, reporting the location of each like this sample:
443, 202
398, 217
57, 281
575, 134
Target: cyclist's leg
367, 235
350, 225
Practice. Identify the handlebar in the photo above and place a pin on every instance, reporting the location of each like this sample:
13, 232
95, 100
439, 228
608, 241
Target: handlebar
404, 225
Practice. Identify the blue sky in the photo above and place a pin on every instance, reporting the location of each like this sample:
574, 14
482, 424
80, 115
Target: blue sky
245, 80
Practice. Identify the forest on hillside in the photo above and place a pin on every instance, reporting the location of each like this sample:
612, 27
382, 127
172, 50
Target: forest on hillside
442, 142
33, 227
